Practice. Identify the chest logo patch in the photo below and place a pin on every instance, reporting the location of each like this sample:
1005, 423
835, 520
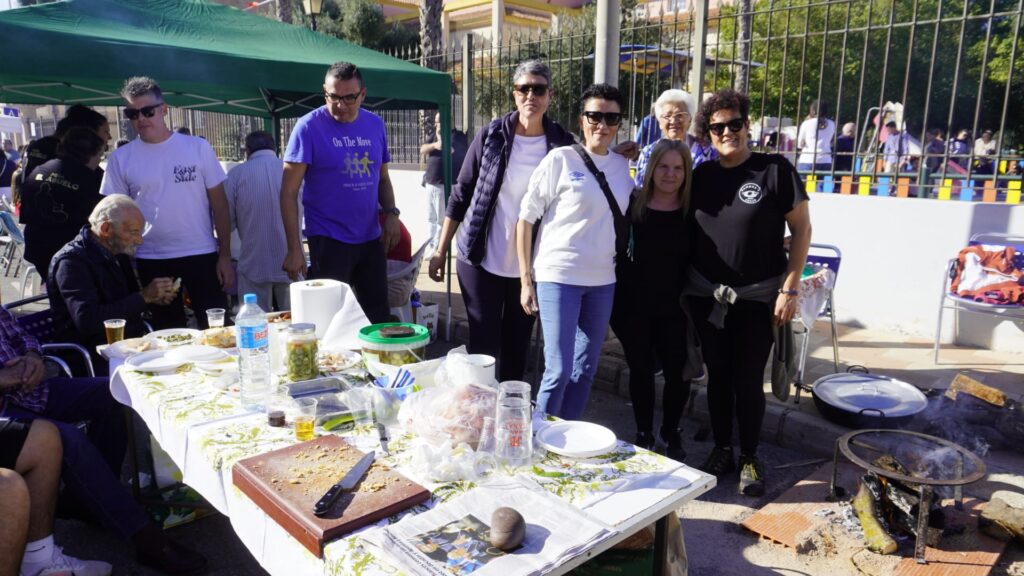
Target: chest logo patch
750, 193
577, 176
185, 173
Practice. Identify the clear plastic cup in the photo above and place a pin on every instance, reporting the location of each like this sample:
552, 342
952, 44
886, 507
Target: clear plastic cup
305, 419
215, 317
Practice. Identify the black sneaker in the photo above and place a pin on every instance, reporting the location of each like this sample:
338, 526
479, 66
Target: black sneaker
720, 462
645, 440
673, 445
751, 476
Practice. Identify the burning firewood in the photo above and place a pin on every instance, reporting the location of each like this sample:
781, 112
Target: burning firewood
1002, 519
865, 505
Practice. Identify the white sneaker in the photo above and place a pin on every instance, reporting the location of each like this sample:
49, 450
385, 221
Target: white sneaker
63, 565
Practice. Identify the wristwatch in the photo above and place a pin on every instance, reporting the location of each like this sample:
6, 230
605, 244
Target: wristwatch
393, 210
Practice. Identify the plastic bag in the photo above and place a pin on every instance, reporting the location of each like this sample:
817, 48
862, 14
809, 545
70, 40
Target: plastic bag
461, 368
452, 413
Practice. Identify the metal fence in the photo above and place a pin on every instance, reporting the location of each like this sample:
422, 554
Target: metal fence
937, 68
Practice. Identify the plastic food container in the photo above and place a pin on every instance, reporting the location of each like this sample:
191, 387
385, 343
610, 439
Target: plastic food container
394, 343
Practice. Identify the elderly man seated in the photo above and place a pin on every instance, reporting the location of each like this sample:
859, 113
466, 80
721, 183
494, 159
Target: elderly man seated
92, 279
30, 455
92, 461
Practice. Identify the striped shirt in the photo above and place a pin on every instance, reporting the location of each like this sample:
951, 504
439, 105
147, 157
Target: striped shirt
16, 342
254, 195
701, 153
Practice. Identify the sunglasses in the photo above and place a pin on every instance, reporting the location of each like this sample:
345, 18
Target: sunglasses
538, 90
147, 111
734, 126
609, 118
346, 98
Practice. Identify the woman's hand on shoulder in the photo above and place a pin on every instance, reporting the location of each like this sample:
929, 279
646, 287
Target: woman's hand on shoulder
629, 149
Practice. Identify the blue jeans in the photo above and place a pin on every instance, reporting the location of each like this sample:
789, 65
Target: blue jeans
92, 462
820, 167
575, 322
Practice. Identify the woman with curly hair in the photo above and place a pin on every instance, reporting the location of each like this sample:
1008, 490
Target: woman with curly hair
741, 284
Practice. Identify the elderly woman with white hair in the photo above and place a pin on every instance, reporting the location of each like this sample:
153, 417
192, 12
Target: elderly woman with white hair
674, 110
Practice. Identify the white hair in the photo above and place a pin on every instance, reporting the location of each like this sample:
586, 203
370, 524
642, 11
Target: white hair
675, 96
111, 209
849, 128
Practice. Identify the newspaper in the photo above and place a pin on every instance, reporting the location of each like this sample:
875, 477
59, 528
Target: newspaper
453, 538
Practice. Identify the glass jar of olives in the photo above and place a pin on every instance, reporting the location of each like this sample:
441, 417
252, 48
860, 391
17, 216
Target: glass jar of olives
300, 352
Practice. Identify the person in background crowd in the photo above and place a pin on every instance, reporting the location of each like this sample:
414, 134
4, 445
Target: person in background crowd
984, 153
484, 206
896, 148
178, 184
92, 460
30, 455
7, 169
814, 139
960, 149
91, 278
577, 193
934, 150
433, 178
674, 112
58, 196
10, 151
45, 149
740, 208
647, 317
843, 158
183, 130
650, 130
16, 179
121, 142
254, 195
341, 152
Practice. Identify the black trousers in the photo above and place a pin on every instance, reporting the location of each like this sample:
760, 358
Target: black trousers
362, 266
645, 336
735, 356
497, 324
198, 275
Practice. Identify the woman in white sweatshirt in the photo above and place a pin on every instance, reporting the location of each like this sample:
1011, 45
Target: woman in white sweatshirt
572, 259
814, 139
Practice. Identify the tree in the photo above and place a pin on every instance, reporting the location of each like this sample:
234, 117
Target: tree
363, 23
431, 42
284, 11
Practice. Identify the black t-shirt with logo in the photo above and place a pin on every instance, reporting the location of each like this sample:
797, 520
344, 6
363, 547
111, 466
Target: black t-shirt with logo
739, 220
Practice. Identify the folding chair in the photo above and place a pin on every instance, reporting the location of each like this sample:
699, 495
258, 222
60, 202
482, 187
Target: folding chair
951, 301
41, 326
821, 256
402, 278
14, 241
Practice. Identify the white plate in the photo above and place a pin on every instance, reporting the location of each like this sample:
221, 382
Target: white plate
217, 368
577, 439
155, 361
176, 333
333, 361
126, 348
197, 353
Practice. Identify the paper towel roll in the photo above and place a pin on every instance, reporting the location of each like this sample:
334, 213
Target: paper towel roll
316, 302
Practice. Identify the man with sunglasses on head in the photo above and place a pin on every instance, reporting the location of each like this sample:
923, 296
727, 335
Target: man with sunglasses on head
179, 186
341, 153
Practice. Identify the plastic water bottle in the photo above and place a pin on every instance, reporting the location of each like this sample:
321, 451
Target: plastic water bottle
253, 353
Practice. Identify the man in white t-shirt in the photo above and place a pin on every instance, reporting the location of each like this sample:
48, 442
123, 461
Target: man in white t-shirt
178, 184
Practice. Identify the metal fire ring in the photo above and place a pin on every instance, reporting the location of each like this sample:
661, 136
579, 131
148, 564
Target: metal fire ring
846, 440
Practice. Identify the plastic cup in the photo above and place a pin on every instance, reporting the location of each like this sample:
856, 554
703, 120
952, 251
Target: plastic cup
215, 317
362, 406
305, 418
114, 329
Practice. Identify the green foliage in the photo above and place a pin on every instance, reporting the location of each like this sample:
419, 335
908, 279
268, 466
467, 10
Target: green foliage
362, 22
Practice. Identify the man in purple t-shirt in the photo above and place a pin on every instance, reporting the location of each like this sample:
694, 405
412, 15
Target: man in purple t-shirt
341, 151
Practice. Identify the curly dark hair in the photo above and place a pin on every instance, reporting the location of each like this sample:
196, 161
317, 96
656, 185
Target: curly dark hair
725, 99
601, 92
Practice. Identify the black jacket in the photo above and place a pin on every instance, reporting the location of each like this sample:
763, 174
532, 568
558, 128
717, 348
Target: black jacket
476, 192
87, 285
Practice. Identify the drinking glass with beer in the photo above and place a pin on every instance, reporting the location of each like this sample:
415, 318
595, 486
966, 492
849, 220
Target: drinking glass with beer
114, 329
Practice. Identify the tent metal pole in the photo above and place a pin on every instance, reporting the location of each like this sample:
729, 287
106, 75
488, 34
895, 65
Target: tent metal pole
446, 159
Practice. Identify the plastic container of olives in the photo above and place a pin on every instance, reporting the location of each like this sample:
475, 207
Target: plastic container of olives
394, 343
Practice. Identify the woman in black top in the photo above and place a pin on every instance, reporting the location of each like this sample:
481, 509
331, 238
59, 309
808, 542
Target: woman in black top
58, 196
647, 317
741, 283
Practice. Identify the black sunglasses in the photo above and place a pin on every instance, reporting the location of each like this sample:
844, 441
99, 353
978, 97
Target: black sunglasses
734, 126
609, 118
539, 90
147, 111
347, 98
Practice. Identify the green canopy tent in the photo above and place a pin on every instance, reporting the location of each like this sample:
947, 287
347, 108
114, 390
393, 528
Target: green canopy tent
205, 56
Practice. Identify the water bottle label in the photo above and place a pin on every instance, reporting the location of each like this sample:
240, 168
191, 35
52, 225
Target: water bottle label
253, 336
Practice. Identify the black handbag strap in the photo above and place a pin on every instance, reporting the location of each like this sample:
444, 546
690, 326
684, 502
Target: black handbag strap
617, 215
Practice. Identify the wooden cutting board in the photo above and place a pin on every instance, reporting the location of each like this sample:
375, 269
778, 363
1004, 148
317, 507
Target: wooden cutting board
286, 483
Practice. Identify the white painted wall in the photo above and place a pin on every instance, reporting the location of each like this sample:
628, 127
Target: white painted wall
894, 253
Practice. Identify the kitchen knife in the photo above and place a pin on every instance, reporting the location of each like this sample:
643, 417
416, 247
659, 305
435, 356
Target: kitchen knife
348, 482
382, 433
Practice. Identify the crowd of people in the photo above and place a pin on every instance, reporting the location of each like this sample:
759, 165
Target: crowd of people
686, 260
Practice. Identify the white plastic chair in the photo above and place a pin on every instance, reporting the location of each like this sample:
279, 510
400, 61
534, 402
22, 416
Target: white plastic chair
950, 301
402, 278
